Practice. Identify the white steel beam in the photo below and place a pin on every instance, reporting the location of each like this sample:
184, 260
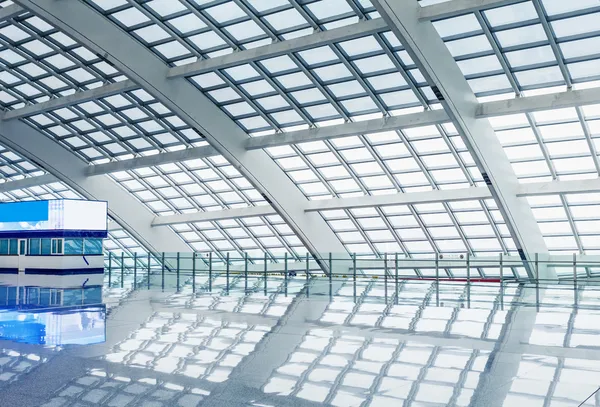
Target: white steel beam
560, 187
144, 67
75, 98
28, 182
68, 168
280, 48
426, 118
435, 62
210, 216
410, 198
454, 8
12, 11
152, 160
571, 98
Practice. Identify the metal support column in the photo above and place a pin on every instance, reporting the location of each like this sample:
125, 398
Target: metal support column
135, 270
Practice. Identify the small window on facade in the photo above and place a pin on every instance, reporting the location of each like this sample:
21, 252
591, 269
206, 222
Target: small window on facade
57, 246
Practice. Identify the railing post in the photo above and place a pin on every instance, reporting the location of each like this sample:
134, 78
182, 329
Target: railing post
285, 273
354, 274
134, 270
437, 280
307, 273
537, 281
265, 282
396, 276
575, 279
227, 274
162, 284
501, 282
468, 280
193, 272
385, 276
109, 269
178, 262
210, 263
122, 269
149, 261
245, 272
330, 276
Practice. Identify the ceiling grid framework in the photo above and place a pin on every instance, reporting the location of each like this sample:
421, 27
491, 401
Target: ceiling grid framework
141, 66
336, 101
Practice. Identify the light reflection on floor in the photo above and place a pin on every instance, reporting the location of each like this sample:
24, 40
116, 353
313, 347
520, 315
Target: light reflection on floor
481, 347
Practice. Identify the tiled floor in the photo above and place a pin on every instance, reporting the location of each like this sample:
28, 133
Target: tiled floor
477, 348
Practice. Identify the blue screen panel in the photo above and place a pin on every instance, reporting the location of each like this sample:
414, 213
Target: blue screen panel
30, 211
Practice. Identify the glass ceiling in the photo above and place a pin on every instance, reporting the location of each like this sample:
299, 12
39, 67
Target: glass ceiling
529, 48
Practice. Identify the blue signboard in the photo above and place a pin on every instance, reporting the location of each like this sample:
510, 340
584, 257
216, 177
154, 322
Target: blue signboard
30, 212
54, 218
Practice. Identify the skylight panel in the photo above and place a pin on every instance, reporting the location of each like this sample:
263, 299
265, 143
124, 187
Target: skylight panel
473, 66
224, 95
279, 64
457, 25
308, 96
207, 40
285, 20
542, 76
172, 50
245, 30
329, 8
587, 70
530, 56
130, 17
583, 24
530, 34
398, 99
467, 46
333, 72
359, 105
496, 83
186, 23
294, 80
242, 72
511, 14
165, 7
374, 64
152, 33
555, 7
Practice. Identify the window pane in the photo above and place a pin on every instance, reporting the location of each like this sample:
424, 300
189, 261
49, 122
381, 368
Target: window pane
93, 246
13, 246
4, 247
34, 246
73, 246
46, 246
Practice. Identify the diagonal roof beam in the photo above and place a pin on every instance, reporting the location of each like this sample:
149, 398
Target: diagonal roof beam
75, 98
443, 195
12, 11
152, 160
525, 104
426, 118
410, 198
577, 186
67, 167
280, 48
454, 8
435, 62
211, 216
504, 107
144, 67
28, 182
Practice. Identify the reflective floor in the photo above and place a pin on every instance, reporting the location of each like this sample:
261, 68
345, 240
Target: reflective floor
478, 348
